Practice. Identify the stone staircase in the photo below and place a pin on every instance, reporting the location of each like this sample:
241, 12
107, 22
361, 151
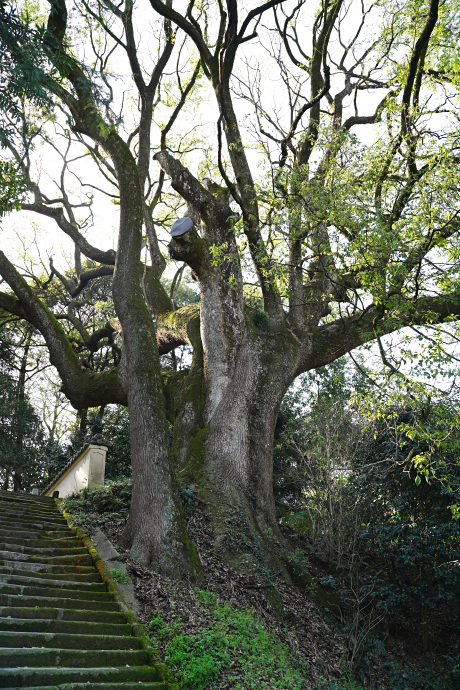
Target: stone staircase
60, 627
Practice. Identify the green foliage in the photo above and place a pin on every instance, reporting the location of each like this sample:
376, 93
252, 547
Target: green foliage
110, 502
400, 671
115, 429
120, 576
411, 533
21, 436
344, 685
262, 320
21, 60
185, 293
316, 439
234, 643
12, 187
114, 426
57, 457
23, 446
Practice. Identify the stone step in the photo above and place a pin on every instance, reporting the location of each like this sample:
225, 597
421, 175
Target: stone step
40, 567
40, 530
41, 543
77, 559
102, 686
53, 593
59, 626
89, 677
73, 658
22, 512
17, 640
21, 600
43, 583
62, 614
17, 513
91, 576
32, 524
45, 550
32, 625
35, 534
31, 499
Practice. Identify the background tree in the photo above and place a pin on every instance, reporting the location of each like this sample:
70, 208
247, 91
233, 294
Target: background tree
22, 458
410, 520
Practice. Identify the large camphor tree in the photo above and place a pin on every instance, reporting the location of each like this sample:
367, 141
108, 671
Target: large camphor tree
332, 220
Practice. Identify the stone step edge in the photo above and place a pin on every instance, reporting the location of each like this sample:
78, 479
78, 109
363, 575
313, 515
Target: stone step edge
49, 583
45, 551
54, 625
10, 515
16, 497
30, 543
59, 640
53, 577
77, 604
125, 685
37, 566
71, 559
164, 672
17, 514
31, 525
41, 674
37, 590
63, 614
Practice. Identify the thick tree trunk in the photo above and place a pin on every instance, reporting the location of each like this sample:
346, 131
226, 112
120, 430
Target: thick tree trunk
155, 532
230, 462
238, 464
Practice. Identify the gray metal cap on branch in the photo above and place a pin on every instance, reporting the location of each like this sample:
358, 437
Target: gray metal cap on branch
181, 226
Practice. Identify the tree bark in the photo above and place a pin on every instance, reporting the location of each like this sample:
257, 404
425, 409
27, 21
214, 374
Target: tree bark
155, 532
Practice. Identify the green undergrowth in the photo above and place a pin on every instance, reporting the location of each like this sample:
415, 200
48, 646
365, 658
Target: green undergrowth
120, 576
110, 501
343, 685
234, 648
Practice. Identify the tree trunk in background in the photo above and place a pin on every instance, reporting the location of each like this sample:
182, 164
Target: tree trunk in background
17, 478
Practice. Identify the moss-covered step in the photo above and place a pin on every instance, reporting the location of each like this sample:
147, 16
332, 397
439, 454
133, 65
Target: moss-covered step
34, 534
55, 677
103, 686
42, 543
63, 622
68, 640
33, 625
22, 511
12, 513
57, 593
26, 499
91, 576
23, 516
72, 658
33, 525
45, 550
77, 559
14, 579
70, 614
38, 566
17, 514
21, 600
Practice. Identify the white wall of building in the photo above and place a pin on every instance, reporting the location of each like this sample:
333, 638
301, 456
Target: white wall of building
87, 470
